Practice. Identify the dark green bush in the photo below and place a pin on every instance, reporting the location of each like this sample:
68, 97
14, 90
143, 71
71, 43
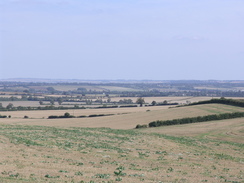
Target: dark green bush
128, 106
52, 117
95, 115
82, 116
3, 116
141, 126
66, 115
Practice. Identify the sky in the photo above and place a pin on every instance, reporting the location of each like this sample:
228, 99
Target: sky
122, 39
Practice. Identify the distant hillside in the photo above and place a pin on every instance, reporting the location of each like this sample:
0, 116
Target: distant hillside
49, 80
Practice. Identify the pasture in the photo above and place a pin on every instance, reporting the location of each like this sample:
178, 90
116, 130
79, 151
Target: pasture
107, 149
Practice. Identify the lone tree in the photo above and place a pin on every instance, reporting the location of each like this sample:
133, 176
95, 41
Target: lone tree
52, 102
51, 90
140, 101
67, 115
154, 103
60, 100
10, 106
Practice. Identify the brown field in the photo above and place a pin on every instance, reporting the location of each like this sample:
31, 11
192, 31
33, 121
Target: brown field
61, 150
123, 118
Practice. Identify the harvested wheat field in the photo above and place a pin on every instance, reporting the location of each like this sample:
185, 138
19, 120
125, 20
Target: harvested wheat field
75, 150
122, 118
50, 154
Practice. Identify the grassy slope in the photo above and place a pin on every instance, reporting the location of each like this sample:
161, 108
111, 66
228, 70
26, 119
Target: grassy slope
206, 152
58, 155
47, 154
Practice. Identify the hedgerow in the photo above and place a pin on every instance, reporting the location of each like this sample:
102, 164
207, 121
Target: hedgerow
196, 119
232, 102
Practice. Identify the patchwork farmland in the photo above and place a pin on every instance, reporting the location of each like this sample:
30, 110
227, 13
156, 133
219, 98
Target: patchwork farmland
104, 146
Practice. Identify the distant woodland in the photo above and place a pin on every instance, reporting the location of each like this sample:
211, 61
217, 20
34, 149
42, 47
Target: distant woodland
29, 90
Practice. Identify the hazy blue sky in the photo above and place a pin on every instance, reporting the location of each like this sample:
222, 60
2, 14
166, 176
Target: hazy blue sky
122, 39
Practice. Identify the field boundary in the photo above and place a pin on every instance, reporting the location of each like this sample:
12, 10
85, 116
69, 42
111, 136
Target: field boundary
225, 101
198, 119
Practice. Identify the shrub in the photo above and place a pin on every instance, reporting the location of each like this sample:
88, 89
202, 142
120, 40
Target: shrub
114, 106
95, 115
141, 126
3, 116
128, 106
52, 117
82, 116
66, 115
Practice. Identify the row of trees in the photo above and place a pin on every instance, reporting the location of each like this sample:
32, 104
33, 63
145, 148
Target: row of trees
8, 107
68, 115
3, 116
11, 107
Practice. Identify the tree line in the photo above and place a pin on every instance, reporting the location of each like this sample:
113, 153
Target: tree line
222, 100
195, 119
68, 115
140, 89
11, 107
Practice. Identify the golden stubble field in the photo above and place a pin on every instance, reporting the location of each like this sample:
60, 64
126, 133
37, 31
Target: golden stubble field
122, 118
